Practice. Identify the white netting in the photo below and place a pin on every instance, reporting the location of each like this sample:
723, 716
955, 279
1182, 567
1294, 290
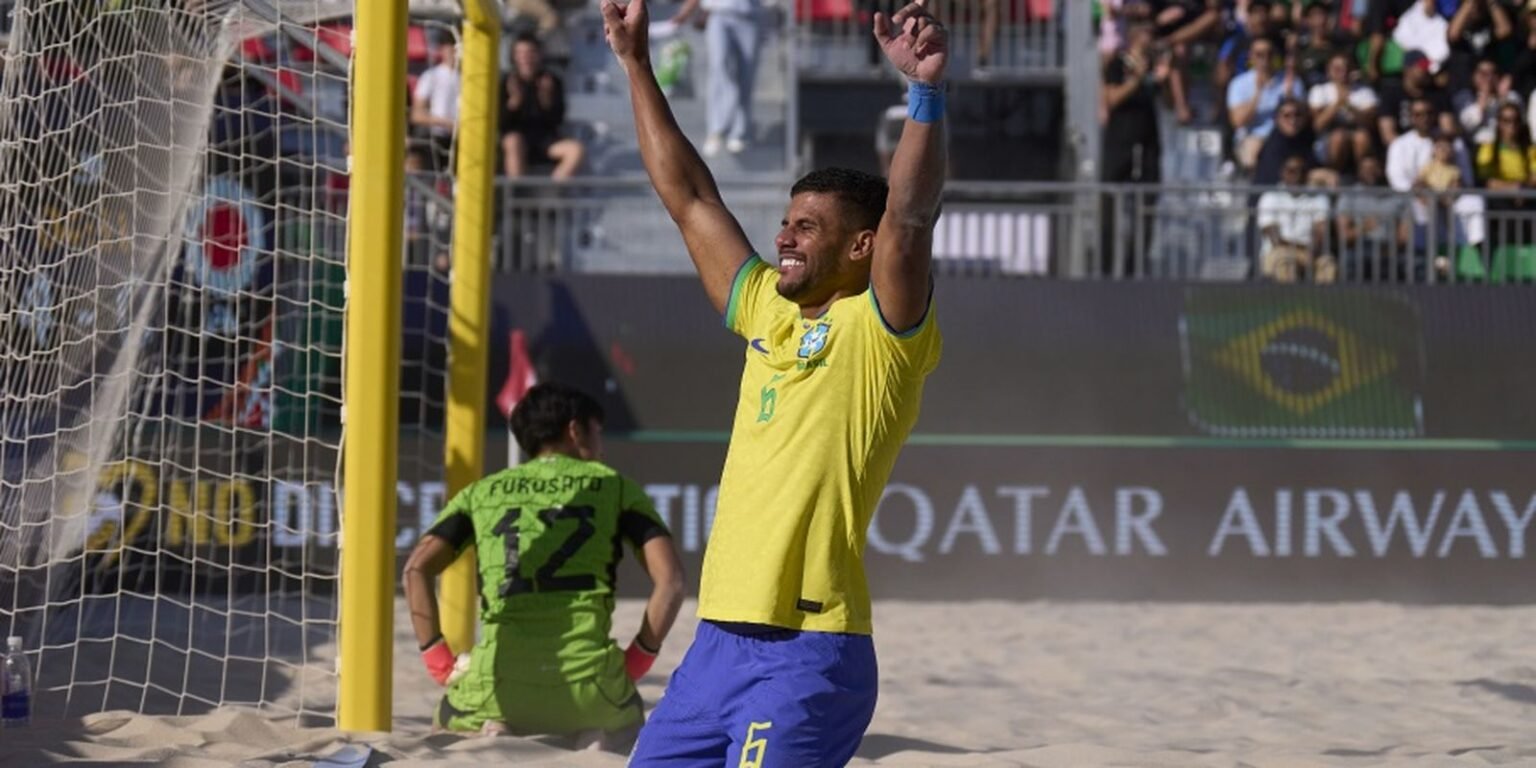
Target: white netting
172, 231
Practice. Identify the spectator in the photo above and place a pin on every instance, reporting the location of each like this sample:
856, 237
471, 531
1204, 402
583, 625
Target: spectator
1479, 105
1179, 24
1406, 158
1318, 41
1523, 67
1441, 175
732, 34
435, 108
1294, 223
1377, 29
1439, 181
1397, 102
1421, 28
1412, 150
1507, 163
1232, 59
1292, 136
1343, 114
1479, 30
1253, 97
1132, 150
533, 114
1373, 224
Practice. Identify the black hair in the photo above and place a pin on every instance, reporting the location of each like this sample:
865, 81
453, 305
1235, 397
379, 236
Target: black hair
861, 193
530, 38
1522, 136
540, 418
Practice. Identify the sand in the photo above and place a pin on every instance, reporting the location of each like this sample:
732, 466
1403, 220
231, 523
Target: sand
1011, 684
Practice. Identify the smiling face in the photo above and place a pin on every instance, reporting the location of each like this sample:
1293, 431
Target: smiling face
820, 250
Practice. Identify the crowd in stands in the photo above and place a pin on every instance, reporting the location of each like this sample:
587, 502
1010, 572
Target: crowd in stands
533, 138
532, 112
1333, 100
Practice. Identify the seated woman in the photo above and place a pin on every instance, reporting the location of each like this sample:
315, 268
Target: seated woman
1508, 164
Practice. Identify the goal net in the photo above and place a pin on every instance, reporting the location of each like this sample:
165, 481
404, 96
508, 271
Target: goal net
173, 203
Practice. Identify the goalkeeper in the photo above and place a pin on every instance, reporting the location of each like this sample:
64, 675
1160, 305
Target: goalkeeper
548, 536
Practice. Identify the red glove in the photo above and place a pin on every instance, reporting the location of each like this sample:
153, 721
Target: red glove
439, 660
638, 660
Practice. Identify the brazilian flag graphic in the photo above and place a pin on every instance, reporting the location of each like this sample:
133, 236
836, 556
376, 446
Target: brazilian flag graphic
1301, 363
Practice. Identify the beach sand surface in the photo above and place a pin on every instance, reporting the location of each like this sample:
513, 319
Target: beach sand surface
1006, 684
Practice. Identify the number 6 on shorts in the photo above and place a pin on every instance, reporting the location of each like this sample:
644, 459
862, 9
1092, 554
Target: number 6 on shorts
753, 749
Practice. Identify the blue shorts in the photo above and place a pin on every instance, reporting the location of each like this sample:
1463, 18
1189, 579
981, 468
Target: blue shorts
749, 696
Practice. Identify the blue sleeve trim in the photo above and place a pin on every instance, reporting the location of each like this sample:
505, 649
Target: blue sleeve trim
914, 330
734, 301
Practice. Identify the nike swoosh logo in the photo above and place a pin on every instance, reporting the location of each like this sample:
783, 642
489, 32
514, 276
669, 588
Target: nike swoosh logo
757, 344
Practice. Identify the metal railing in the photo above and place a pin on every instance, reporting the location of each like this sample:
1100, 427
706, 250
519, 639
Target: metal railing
1010, 39
1319, 235
1074, 230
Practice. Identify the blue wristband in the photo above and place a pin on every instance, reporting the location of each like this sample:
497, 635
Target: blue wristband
925, 102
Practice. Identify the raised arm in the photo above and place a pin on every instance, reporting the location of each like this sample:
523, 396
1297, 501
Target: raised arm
715, 240
1503, 25
1460, 19
918, 46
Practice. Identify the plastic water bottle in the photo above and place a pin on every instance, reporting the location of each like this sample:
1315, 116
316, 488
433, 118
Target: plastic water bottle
15, 686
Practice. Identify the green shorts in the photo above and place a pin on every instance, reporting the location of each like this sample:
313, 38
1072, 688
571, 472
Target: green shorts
528, 704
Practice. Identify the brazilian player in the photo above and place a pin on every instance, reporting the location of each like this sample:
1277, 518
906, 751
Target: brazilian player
840, 337
548, 535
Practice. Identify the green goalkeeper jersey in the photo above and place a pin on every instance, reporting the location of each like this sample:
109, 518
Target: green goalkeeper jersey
548, 537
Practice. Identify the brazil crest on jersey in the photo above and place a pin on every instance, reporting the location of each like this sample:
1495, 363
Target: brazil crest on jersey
824, 407
548, 536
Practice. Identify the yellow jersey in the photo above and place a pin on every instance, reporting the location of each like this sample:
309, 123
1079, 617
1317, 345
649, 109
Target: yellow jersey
824, 407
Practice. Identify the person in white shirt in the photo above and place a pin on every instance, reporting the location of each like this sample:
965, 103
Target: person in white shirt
1406, 158
1422, 28
1294, 223
435, 106
1343, 114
